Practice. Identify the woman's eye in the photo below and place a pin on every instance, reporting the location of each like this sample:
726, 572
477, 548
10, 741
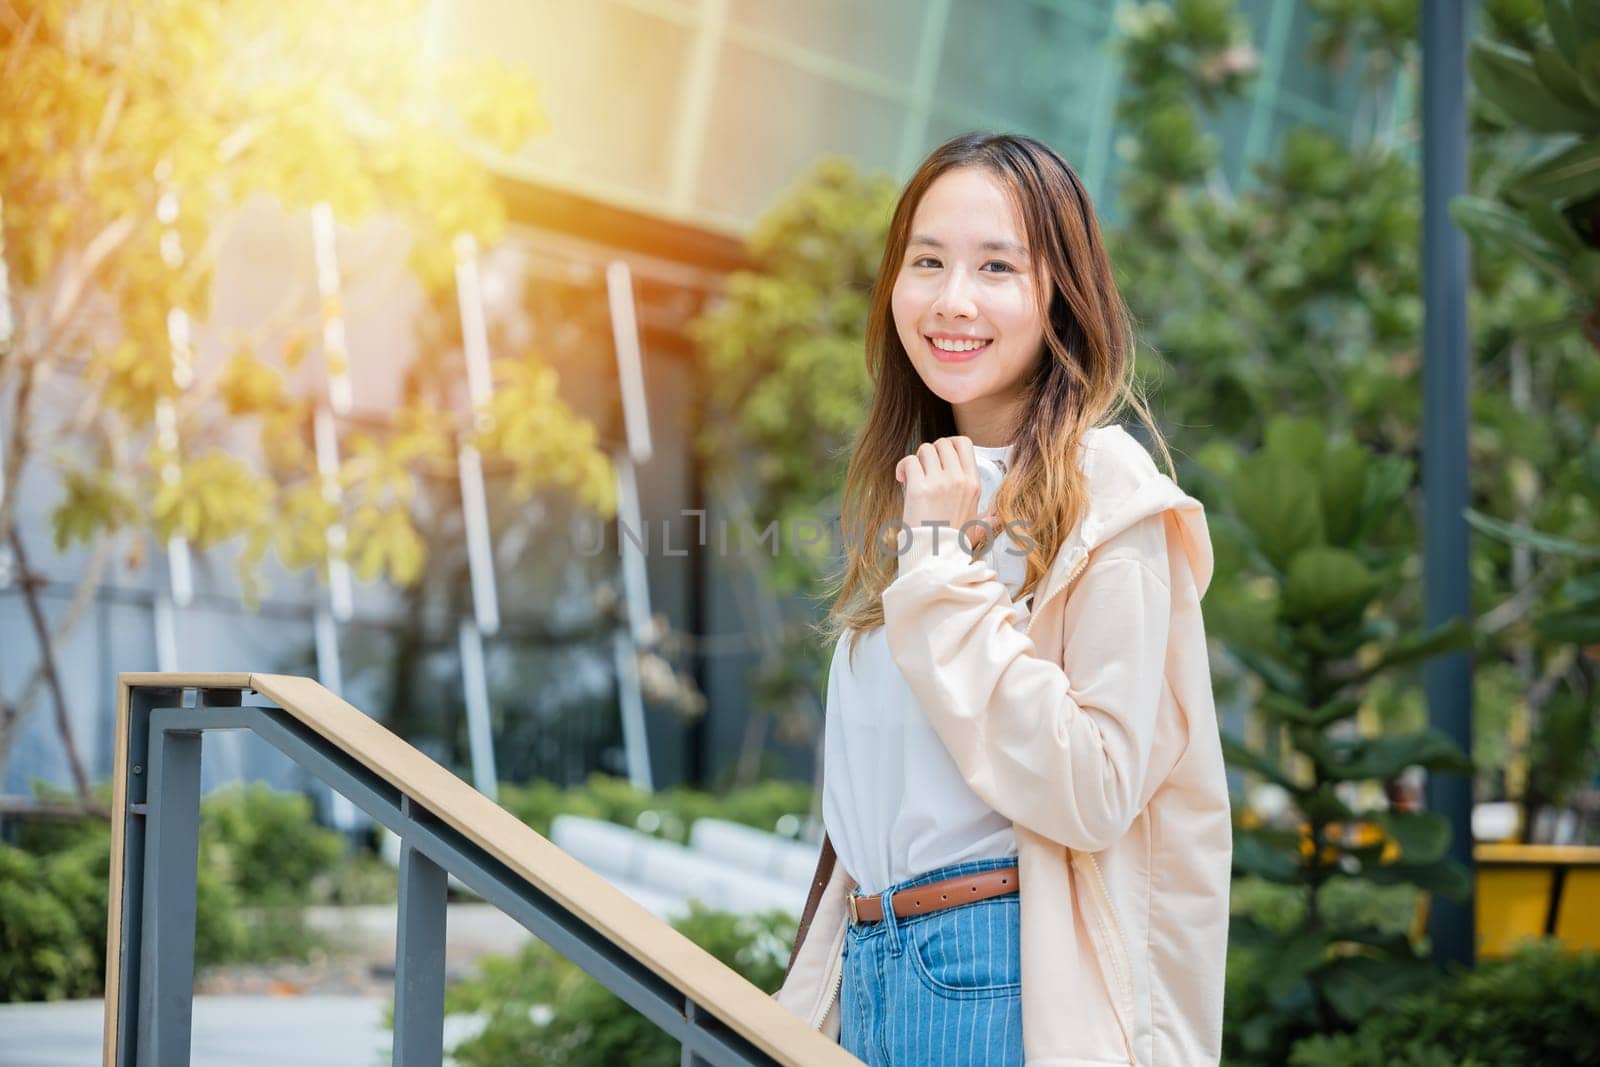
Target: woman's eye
930, 261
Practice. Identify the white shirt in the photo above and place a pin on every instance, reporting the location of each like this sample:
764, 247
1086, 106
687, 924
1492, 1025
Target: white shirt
893, 802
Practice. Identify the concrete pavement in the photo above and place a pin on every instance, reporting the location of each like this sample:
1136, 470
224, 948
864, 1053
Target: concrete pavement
244, 1031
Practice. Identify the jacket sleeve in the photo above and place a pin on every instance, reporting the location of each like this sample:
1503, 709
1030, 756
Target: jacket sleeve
1063, 750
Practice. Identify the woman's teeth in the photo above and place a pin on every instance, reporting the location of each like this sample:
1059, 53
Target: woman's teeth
956, 346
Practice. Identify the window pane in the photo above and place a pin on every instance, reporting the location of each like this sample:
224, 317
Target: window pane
609, 80
1036, 69
882, 36
769, 121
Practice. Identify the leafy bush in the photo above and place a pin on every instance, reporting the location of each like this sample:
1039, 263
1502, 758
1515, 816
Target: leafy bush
540, 1000
1538, 1007
263, 857
669, 813
53, 910
1305, 606
1256, 998
1343, 902
1532, 86
781, 359
265, 843
362, 877
259, 853
43, 953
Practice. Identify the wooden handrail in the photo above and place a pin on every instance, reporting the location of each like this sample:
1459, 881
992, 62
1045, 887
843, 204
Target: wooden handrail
701, 977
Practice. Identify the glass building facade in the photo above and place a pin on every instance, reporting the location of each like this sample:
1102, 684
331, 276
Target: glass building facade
673, 125
705, 110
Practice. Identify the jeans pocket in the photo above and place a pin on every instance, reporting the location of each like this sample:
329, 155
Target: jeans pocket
970, 951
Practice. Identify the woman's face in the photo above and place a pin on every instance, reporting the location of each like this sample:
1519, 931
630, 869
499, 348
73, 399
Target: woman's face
964, 303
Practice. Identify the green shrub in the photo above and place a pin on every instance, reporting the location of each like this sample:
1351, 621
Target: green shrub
1308, 573
53, 918
1256, 999
668, 814
259, 853
44, 955
1538, 1007
265, 843
263, 853
362, 877
79, 877
589, 1025
1344, 903
263, 857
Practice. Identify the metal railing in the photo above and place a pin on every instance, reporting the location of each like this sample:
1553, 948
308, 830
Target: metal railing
446, 828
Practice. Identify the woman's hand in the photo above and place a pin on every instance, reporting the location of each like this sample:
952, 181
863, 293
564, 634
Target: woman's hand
941, 480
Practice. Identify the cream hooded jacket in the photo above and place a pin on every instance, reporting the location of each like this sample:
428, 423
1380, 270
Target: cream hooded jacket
1094, 731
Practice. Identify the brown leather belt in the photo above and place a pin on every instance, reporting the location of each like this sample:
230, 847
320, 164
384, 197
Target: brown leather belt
922, 899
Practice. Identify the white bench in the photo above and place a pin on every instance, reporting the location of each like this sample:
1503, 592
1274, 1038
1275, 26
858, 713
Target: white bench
625, 855
779, 858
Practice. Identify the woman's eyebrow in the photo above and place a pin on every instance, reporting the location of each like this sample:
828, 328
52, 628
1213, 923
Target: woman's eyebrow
987, 246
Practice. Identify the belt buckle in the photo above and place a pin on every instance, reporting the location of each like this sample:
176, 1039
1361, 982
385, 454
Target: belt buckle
850, 905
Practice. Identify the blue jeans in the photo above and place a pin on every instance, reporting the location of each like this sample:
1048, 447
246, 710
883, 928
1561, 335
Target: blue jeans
940, 988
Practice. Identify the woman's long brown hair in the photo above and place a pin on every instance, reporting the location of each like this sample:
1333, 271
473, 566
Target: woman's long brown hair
1084, 378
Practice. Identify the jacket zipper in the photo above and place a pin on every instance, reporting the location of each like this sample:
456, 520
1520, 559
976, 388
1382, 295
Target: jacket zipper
833, 991
1117, 945
827, 1004
1072, 576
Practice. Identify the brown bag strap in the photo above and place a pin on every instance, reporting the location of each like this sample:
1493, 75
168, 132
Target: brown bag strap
819, 882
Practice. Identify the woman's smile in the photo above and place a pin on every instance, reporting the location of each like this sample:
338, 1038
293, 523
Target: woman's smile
951, 348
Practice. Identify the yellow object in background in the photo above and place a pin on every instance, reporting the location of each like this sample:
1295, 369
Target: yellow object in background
1528, 891
1578, 923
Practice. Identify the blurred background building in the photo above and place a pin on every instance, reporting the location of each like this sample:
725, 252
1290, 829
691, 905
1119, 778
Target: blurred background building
673, 125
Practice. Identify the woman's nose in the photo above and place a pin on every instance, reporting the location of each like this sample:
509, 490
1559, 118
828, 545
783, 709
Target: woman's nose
954, 299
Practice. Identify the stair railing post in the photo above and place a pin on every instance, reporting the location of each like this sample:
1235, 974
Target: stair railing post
171, 856
419, 959
691, 1053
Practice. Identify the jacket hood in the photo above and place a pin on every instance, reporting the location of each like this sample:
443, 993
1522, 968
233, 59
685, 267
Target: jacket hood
1125, 487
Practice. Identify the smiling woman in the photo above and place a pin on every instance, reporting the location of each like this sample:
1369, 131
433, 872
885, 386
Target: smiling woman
996, 317
1027, 841
965, 304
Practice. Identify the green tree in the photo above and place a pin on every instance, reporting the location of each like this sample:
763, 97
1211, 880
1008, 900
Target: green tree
1536, 219
1538, 80
1308, 551
784, 355
1297, 289
133, 136
1300, 291
785, 366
